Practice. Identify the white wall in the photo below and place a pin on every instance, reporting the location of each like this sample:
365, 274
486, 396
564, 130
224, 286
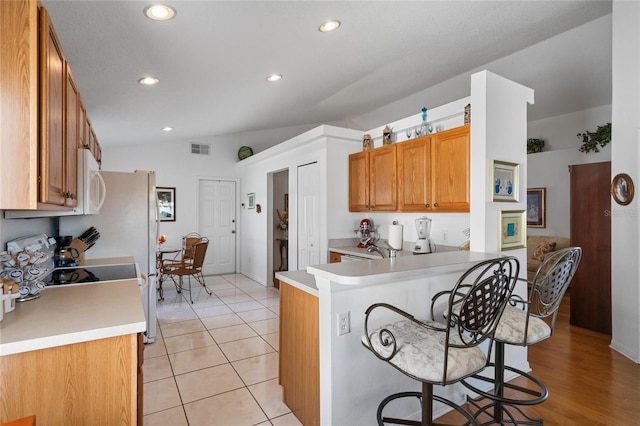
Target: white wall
625, 220
327, 145
10, 229
175, 166
549, 169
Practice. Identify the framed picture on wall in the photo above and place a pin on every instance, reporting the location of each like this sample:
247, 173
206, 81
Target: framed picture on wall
505, 181
166, 204
622, 189
513, 232
536, 208
251, 200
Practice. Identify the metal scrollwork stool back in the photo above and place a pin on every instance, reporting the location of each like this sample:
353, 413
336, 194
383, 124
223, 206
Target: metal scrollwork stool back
522, 324
436, 353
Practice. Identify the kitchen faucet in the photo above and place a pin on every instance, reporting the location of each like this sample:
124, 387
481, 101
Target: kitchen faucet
373, 247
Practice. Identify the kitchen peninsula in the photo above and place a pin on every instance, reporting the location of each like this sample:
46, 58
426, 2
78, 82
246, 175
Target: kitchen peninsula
74, 355
349, 381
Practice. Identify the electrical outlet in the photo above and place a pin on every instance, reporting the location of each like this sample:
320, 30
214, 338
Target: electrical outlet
344, 325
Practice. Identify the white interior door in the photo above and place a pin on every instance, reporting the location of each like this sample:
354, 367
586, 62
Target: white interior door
308, 215
217, 222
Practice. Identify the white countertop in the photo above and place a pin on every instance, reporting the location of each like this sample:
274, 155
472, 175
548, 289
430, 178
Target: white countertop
299, 279
70, 314
401, 267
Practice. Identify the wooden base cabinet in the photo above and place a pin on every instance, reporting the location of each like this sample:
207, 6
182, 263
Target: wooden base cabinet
299, 362
89, 383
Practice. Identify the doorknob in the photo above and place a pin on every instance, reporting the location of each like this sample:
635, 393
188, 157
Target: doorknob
233, 232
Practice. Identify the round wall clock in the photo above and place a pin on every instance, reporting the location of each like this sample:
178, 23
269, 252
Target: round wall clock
622, 189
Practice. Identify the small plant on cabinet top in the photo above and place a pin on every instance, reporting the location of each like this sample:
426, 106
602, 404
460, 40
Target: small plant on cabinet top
534, 145
591, 140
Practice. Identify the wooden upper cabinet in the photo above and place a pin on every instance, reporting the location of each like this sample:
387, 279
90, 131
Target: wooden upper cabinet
52, 113
372, 180
450, 162
72, 139
19, 105
83, 140
359, 182
426, 174
382, 178
414, 175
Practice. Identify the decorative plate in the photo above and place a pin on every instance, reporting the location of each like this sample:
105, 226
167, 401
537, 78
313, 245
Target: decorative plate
244, 152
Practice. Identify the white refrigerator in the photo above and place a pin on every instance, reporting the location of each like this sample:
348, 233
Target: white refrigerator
128, 226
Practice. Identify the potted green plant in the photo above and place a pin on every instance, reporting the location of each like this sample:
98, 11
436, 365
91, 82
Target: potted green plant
534, 145
591, 140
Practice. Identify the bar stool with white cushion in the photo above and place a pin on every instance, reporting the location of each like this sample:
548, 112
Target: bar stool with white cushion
443, 354
522, 324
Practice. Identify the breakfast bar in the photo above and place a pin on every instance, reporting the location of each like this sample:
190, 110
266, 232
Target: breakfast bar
352, 382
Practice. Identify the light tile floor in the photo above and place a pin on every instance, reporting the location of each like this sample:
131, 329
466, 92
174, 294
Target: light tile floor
216, 362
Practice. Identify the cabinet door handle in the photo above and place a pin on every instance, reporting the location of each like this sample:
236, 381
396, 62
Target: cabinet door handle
233, 232
435, 204
427, 205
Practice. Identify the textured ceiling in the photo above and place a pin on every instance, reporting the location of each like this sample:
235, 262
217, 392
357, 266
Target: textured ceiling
212, 60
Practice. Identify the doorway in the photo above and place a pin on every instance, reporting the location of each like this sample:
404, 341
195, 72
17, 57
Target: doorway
280, 247
217, 222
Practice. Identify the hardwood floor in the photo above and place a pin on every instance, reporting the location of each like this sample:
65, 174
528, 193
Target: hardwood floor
589, 383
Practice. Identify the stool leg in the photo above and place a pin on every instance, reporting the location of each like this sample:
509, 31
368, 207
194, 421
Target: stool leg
427, 404
499, 381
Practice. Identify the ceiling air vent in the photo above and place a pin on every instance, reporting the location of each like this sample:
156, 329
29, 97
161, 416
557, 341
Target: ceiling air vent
201, 149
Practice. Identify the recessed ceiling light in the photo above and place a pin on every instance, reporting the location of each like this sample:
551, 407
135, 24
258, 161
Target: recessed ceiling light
149, 81
167, 129
274, 77
329, 26
159, 12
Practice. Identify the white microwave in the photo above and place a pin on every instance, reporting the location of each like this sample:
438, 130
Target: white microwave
91, 192
91, 189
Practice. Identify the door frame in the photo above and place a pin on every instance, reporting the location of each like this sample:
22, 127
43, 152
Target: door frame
271, 235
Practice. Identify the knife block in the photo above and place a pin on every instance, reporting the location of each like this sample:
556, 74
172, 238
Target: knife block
79, 245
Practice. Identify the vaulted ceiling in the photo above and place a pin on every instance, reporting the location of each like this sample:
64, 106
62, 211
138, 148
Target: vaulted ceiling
213, 57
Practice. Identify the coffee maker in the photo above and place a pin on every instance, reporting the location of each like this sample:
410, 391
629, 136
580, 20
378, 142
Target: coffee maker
64, 255
424, 244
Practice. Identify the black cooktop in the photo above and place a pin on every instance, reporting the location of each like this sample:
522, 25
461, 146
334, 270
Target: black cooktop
91, 274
